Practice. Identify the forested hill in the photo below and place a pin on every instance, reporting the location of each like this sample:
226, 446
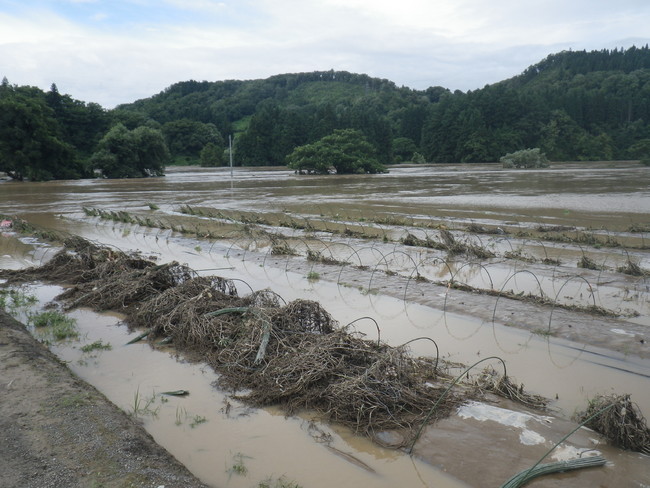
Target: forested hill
270, 117
573, 105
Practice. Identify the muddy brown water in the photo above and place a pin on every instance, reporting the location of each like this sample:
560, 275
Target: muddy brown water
603, 198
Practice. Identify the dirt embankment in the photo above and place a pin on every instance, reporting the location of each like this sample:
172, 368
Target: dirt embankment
57, 431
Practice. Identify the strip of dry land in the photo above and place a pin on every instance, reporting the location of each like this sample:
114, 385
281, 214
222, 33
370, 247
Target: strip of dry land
58, 431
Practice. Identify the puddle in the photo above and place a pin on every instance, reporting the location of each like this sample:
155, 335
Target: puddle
518, 420
210, 433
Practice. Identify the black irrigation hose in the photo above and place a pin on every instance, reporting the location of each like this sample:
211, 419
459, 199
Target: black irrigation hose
376, 325
444, 394
435, 368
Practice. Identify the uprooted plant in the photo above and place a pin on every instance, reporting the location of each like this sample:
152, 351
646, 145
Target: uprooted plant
623, 424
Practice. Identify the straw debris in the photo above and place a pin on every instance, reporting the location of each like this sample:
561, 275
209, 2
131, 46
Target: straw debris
266, 351
623, 425
489, 380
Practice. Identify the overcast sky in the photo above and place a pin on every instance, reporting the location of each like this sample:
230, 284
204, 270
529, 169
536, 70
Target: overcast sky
117, 51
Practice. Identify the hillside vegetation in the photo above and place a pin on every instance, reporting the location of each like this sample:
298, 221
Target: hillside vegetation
572, 105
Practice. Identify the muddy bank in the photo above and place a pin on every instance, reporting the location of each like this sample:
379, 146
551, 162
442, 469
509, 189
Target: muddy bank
484, 444
57, 431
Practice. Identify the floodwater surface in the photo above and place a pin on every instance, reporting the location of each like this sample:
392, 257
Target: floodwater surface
609, 201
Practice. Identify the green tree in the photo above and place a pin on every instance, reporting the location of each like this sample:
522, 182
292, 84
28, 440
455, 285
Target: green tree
31, 145
344, 151
560, 137
403, 149
124, 153
525, 158
641, 149
211, 155
259, 145
82, 125
418, 158
188, 137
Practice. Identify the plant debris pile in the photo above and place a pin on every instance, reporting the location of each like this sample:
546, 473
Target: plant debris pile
449, 244
127, 288
80, 261
266, 351
623, 424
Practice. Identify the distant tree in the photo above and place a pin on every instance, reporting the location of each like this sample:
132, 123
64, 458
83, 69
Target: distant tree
188, 137
403, 149
418, 158
641, 149
344, 151
526, 158
211, 155
82, 125
130, 154
31, 144
260, 144
128, 118
560, 137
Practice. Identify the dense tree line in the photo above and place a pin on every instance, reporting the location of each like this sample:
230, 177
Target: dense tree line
572, 105
271, 117
46, 135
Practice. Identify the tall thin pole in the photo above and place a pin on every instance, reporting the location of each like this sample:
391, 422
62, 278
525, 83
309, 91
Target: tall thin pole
230, 150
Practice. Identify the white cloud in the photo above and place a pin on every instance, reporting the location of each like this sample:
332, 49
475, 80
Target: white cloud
462, 44
204, 6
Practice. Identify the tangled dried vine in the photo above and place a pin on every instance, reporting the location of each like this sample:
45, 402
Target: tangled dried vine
266, 351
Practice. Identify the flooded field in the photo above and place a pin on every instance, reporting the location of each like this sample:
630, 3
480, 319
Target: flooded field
545, 269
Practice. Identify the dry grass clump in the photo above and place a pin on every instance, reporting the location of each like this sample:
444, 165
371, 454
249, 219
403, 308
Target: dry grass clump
639, 228
302, 316
588, 263
104, 278
449, 244
295, 356
282, 249
268, 352
411, 240
623, 424
391, 393
67, 266
317, 257
554, 228
490, 380
632, 268
476, 229
358, 383
80, 261
179, 312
